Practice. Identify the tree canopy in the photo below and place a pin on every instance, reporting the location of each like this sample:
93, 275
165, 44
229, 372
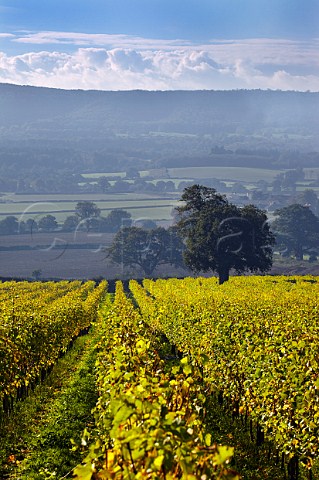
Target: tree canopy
86, 210
71, 223
9, 225
116, 219
146, 249
219, 236
48, 223
297, 230
308, 198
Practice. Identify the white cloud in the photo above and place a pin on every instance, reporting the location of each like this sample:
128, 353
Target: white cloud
264, 50
7, 35
270, 51
126, 63
95, 39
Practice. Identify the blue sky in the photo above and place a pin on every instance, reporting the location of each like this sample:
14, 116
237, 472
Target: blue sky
160, 44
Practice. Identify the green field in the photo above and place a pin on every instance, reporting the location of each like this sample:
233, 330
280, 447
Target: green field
311, 173
226, 174
28, 206
150, 206
240, 174
75, 197
103, 174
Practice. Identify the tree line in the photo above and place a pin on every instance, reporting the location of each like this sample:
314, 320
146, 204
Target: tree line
87, 217
210, 234
213, 235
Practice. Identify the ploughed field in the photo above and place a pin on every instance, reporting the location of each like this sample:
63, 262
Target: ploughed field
190, 380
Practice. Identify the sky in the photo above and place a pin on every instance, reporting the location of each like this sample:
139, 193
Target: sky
160, 44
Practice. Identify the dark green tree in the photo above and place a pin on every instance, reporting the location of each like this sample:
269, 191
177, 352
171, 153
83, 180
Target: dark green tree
36, 274
219, 236
9, 225
146, 223
297, 229
238, 188
308, 198
104, 184
132, 173
116, 220
121, 186
71, 223
48, 223
31, 226
86, 210
146, 249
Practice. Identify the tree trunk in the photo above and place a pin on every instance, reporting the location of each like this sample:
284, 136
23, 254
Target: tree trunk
299, 252
148, 269
223, 275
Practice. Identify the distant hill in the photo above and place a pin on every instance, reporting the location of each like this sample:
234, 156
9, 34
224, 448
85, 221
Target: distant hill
181, 111
90, 130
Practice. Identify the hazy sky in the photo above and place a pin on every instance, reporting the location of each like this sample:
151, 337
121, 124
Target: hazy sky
160, 44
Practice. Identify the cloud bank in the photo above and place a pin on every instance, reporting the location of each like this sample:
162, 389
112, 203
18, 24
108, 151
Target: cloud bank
122, 62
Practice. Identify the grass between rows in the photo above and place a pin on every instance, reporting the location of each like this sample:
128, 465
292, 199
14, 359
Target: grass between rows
36, 441
252, 462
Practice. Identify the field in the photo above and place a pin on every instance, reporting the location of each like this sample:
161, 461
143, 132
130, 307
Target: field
57, 255
235, 174
156, 207
62, 255
191, 379
191, 173
61, 206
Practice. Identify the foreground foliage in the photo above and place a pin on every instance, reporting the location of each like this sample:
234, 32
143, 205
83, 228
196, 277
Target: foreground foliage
256, 340
172, 363
35, 439
150, 412
39, 321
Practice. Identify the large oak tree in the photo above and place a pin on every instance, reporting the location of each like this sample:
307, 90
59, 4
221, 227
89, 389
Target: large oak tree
219, 236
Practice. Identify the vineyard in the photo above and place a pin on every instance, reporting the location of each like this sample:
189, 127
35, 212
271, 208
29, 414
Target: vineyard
168, 358
38, 323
